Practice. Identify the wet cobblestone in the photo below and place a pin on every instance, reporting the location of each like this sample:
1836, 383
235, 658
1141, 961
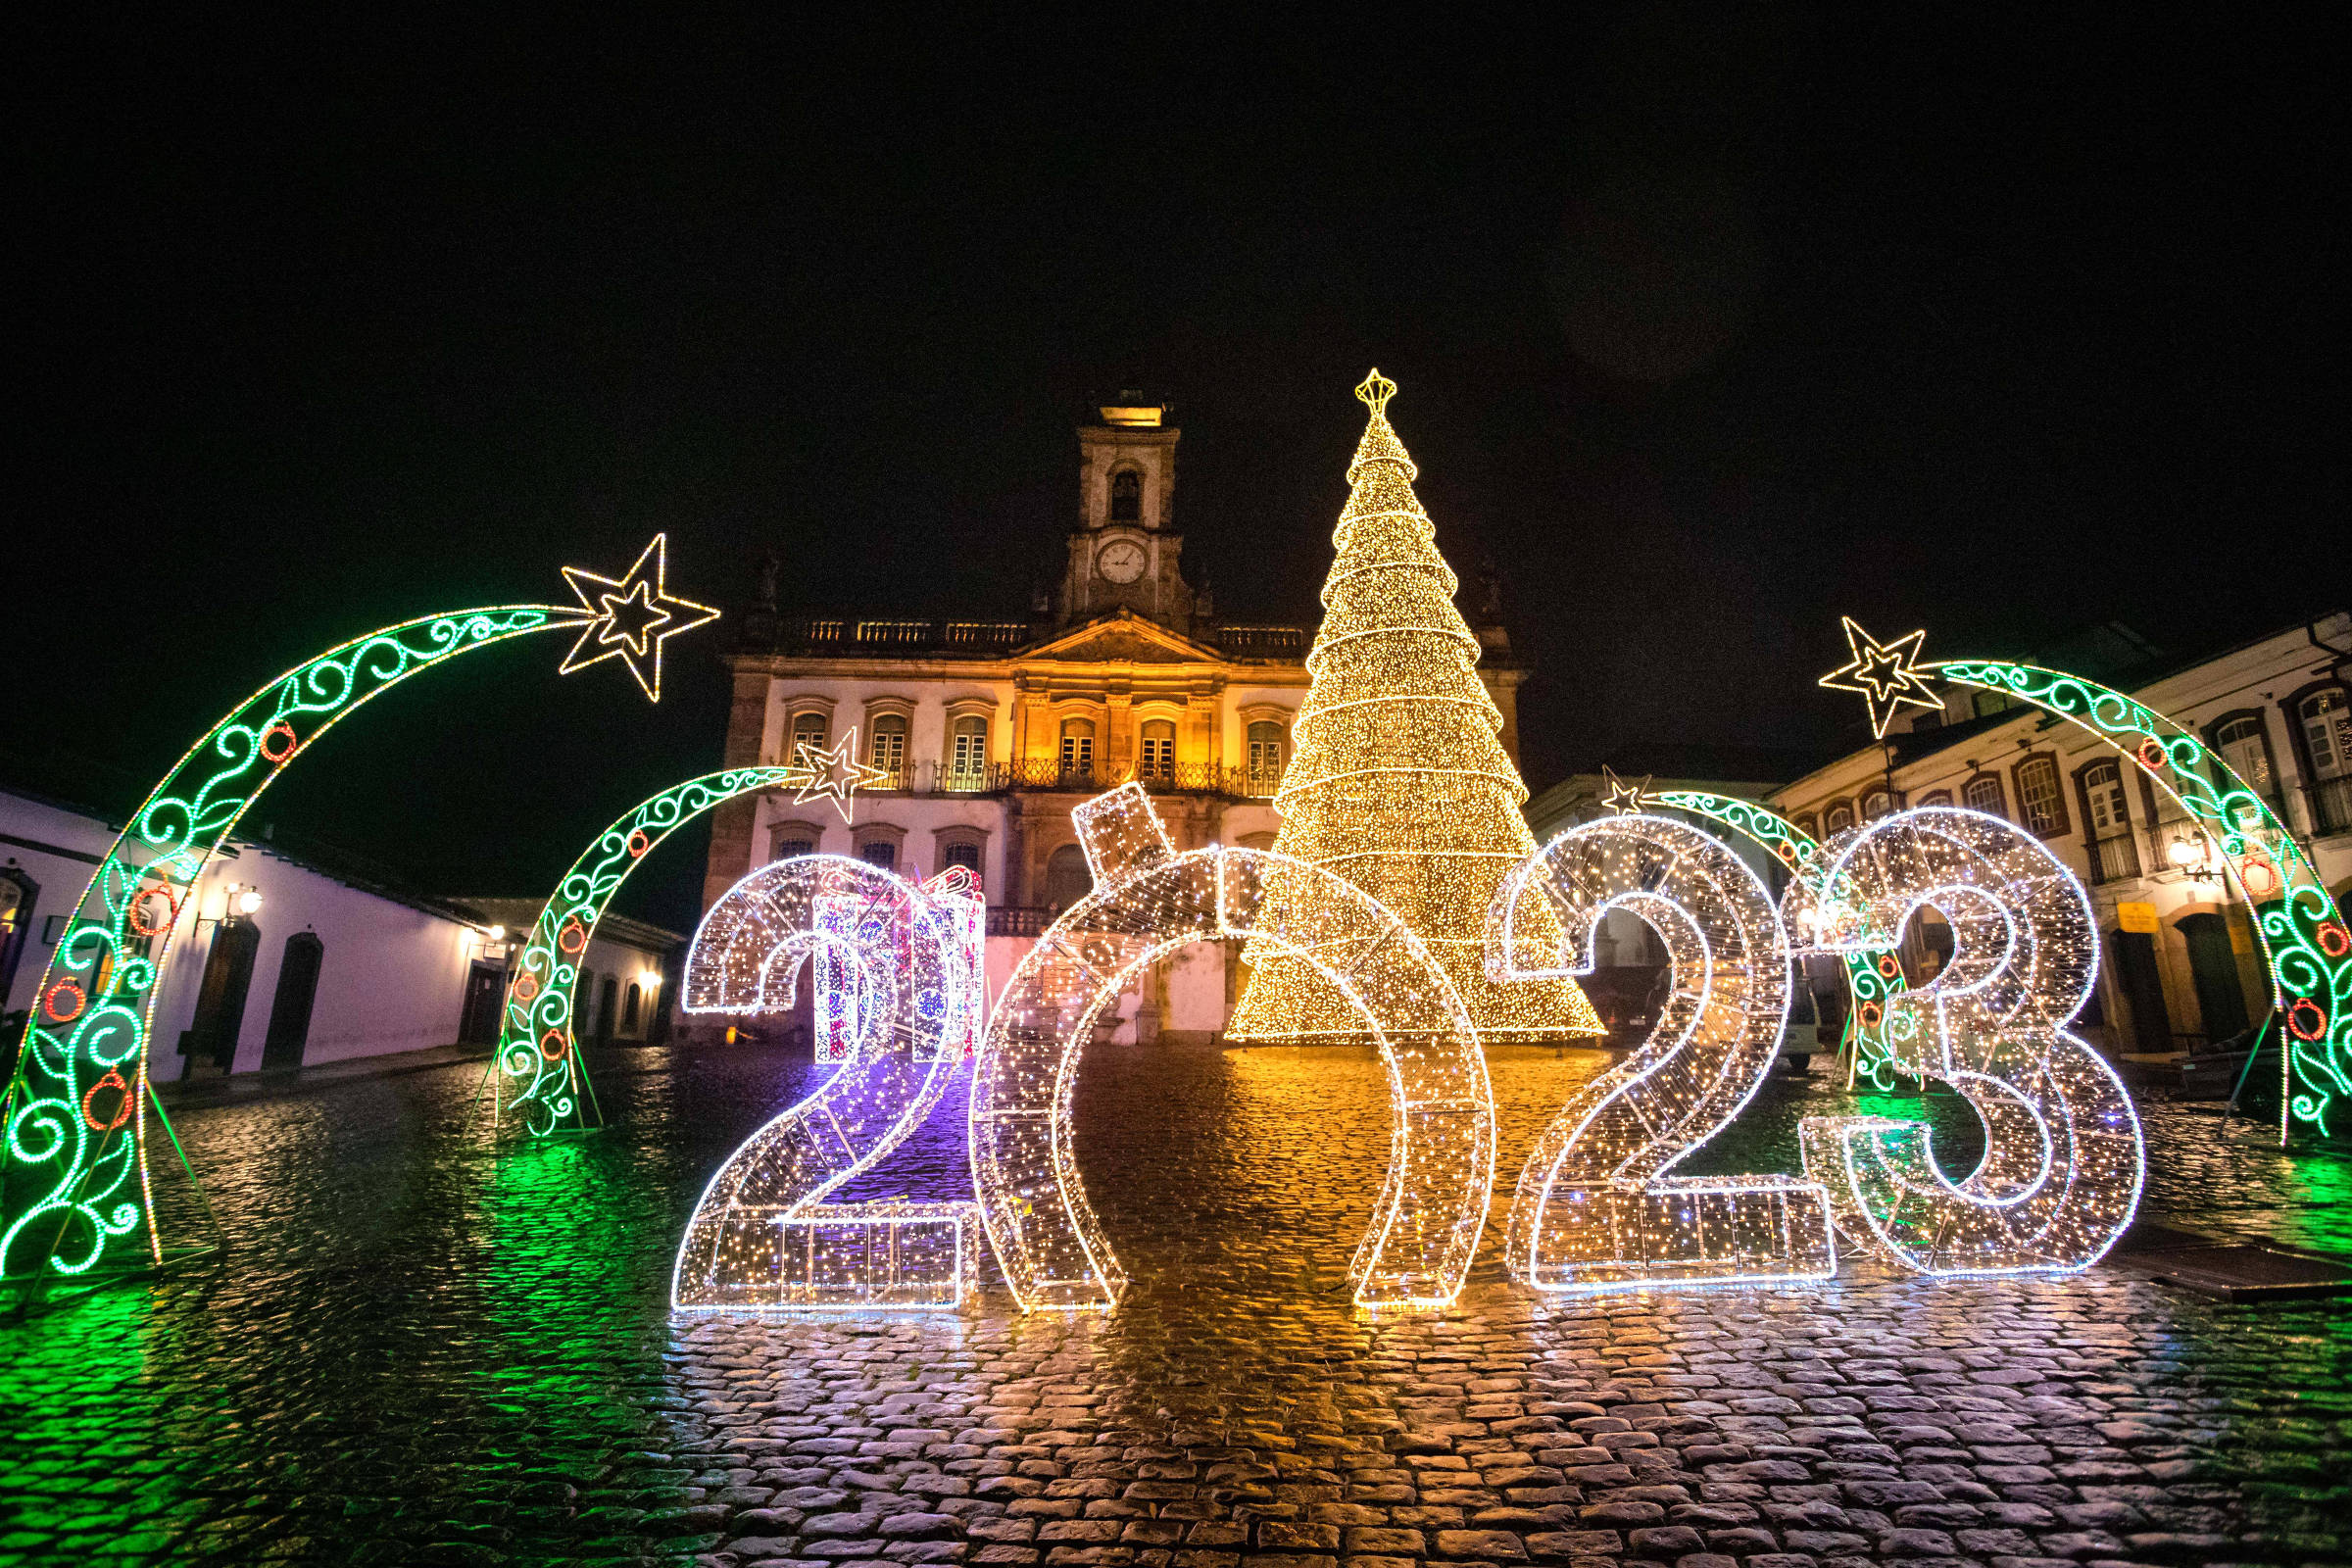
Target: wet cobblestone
418, 1352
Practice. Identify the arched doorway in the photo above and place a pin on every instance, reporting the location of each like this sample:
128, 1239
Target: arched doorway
212, 1037
2213, 970
290, 1008
1067, 879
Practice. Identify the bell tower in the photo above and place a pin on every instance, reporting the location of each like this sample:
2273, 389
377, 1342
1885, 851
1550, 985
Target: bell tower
1123, 554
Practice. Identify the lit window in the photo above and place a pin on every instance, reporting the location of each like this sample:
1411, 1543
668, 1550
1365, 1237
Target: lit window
2242, 747
2326, 720
2037, 797
967, 754
1160, 751
808, 733
886, 749
1265, 757
2103, 787
1984, 794
1077, 751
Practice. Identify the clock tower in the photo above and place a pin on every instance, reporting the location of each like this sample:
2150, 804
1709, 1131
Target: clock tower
1123, 554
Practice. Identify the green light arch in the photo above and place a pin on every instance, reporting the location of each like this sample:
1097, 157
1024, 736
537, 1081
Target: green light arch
2303, 934
74, 1183
1872, 976
541, 1079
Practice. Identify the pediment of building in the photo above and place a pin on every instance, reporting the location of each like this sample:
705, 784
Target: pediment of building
1124, 637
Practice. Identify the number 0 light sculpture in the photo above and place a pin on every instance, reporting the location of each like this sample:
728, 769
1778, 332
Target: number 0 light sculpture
2064, 1159
762, 1237
1596, 1208
1148, 901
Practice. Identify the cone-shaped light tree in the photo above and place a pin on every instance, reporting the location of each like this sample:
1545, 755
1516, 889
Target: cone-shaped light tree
1397, 780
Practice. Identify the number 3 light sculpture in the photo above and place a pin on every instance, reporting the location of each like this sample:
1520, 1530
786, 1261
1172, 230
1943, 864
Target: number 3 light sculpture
2063, 1158
1596, 1208
906, 994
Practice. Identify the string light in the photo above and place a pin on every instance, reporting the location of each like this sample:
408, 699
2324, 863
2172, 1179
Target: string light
1400, 783
632, 617
1872, 975
762, 1237
2064, 1157
1595, 1208
71, 1194
537, 1055
1147, 901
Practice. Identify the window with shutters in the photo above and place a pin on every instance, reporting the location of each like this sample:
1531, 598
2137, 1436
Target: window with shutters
1158, 759
808, 735
2040, 802
967, 754
1265, 757
886, 749
1077, 751
1837, 819
1984, 794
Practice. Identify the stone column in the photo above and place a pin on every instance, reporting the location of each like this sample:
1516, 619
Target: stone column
732, 822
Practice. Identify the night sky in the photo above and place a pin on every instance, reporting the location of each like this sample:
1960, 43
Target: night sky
1707, 331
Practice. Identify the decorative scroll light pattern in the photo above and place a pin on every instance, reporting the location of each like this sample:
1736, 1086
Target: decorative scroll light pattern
763, 1238
1871, 976
538, 1059
2304, 934
74, 1187
2063, 1158
1596, 1208
1147, 901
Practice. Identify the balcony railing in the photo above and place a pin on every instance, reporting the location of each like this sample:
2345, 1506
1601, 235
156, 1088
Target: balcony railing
2115, 859
934, 777
2331, 806
1017, 920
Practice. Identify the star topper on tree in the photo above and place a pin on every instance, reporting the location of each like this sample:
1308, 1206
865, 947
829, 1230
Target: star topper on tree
631, 618
1886, 675
834, 774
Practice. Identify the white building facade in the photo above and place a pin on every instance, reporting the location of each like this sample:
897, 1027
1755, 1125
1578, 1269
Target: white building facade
2181, 967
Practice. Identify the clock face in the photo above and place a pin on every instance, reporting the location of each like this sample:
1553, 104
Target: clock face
1121, 560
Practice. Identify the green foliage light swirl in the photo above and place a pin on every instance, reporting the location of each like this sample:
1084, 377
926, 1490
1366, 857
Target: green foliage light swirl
2303, 934
538, 1058
74, 1185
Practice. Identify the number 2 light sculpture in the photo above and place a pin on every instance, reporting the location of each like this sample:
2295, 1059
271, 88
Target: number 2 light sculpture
762, 1237
1595, 1207
74, 1185
1147, 901
2064, 1159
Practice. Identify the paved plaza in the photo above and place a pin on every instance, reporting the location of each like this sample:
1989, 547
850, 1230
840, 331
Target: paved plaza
420, 1352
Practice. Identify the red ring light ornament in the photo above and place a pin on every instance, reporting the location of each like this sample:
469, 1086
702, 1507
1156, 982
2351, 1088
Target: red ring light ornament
526, 986
2303, 1008
81, 1000
2152, 754
1888, 966
572, 937
1869, 1013
639, 844
2261, 878
552, 1045
140, 919
287, 742
2334, 940
113, 1080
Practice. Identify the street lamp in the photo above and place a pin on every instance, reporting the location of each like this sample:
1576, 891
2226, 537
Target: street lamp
2193, 856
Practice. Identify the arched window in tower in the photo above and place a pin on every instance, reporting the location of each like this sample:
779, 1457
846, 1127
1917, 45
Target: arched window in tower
1159, 761
887, 749
1077, 751
1265, 757
1126, 496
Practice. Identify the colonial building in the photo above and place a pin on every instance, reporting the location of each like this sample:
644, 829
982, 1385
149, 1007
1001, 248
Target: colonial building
988, 730
2183, 967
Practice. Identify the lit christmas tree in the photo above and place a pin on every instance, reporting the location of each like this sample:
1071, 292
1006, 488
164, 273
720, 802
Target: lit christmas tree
1397, 780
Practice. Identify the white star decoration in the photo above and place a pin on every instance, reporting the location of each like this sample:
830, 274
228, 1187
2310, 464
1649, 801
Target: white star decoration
834, 774
632, 617
1622, 798
1886, 675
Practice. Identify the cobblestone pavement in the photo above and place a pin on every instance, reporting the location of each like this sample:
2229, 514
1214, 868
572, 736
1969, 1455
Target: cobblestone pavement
419, 1352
